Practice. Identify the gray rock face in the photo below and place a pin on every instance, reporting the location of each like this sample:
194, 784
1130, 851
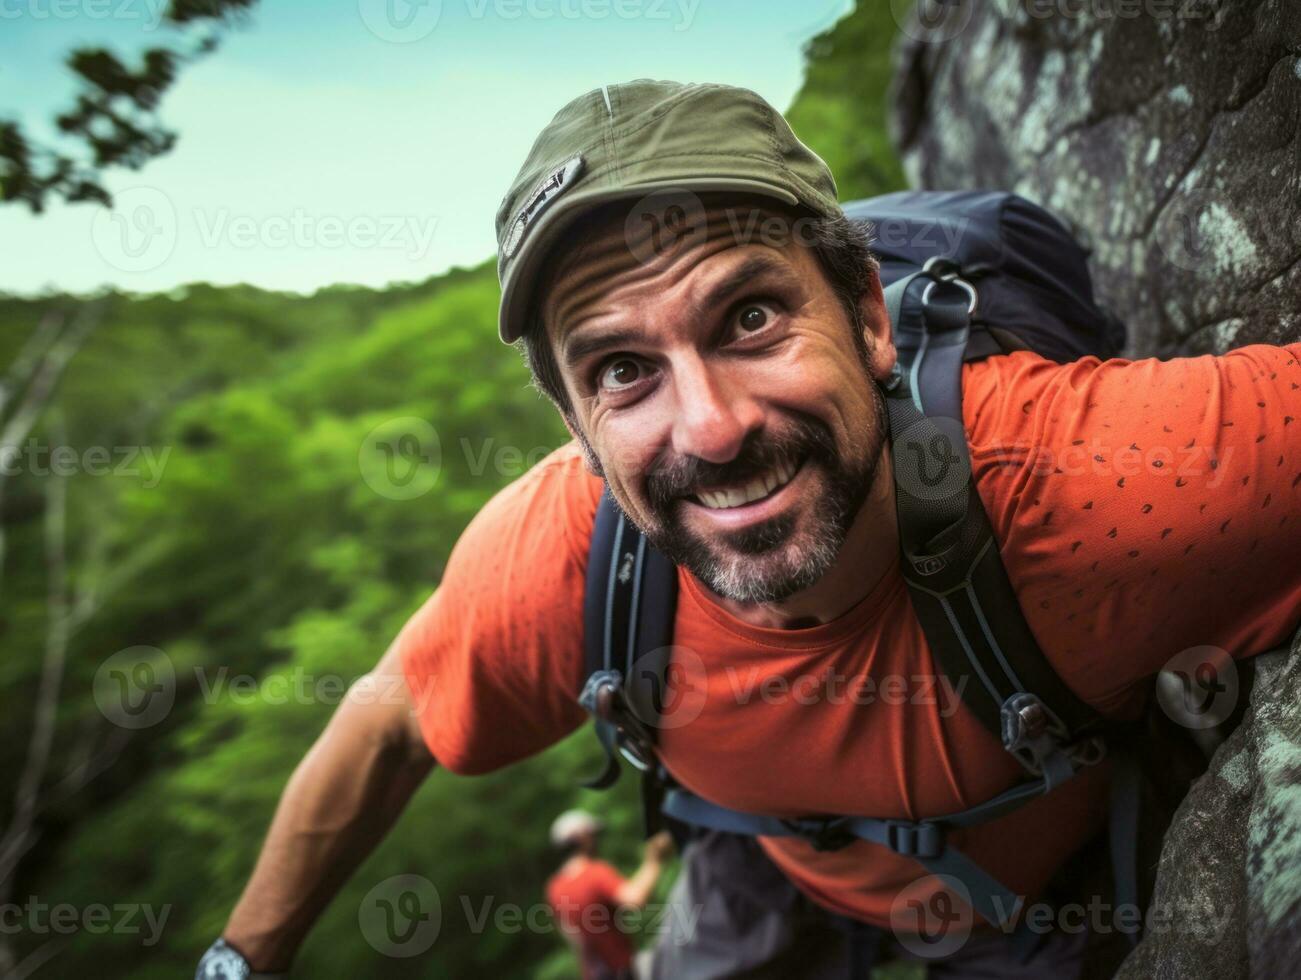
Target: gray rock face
1164, 132
1167, 135
1229, 883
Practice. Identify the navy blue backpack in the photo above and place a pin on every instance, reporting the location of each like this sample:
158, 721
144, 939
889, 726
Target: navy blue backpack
967, 275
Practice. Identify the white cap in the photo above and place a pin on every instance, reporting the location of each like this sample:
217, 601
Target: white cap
571, 825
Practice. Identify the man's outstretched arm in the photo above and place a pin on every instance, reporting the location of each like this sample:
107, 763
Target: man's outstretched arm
637, 890
340, 802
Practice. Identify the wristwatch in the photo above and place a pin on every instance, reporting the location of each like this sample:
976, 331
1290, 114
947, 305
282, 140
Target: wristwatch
223, 961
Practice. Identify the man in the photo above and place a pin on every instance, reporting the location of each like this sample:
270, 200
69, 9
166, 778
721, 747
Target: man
724, 386
587, 895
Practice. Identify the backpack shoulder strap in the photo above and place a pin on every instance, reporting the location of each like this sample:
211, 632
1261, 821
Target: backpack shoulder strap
967, 607
628, 613
965, 602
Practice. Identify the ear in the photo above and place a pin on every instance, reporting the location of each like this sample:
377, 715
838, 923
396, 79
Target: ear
880, 334
590, 462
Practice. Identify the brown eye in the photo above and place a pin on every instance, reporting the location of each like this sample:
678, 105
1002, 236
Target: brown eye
621, 374
752, 318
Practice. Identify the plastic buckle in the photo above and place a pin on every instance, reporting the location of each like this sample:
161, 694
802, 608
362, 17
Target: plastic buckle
825, 834
915, 840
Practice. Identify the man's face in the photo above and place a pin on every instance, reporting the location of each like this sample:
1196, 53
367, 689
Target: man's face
717, 387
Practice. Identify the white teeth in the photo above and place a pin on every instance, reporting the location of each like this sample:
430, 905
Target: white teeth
756, 489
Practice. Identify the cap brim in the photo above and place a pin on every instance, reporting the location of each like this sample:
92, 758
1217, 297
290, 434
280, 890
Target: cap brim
512, 317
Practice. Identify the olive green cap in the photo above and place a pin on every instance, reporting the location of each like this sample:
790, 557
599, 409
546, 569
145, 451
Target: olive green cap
638, 138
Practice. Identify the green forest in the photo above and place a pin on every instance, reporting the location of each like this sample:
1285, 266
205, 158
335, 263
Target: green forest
221, 512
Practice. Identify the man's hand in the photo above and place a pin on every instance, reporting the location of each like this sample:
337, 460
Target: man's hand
636, 891
659, 848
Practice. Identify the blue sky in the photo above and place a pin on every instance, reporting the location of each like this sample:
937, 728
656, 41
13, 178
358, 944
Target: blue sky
363, 141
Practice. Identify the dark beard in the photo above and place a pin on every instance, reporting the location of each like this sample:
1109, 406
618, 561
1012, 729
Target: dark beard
777, 558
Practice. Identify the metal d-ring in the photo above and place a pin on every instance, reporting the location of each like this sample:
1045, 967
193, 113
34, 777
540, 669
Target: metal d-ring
960, 283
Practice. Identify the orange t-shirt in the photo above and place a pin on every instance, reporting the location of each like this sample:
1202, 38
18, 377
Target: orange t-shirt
1142, 508
585, 902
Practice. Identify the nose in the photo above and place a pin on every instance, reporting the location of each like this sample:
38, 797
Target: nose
714, 413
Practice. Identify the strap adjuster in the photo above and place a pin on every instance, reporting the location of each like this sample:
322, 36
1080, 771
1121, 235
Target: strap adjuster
915, 840
1039, 739
600, 695
603, 698
823, 833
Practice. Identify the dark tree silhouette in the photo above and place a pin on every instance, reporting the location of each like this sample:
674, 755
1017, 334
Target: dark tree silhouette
114, 121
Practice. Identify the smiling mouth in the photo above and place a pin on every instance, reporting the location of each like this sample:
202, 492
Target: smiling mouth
757, 488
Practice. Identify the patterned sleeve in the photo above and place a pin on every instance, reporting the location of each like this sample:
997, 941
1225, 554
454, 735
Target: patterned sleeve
1144, 507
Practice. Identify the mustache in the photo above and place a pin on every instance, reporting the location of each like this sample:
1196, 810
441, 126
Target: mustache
673, 477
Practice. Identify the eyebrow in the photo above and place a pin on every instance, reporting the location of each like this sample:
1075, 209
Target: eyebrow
583, 346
